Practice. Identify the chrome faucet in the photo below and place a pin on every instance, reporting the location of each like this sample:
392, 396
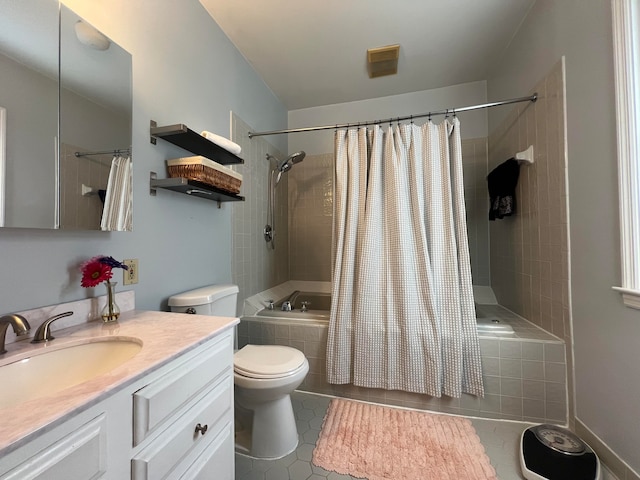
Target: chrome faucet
19, 325
286, 306
43, 333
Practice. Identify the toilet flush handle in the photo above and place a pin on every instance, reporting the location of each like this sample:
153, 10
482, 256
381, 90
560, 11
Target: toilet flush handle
190, 310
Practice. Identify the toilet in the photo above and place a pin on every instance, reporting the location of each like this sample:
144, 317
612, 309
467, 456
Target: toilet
264, 377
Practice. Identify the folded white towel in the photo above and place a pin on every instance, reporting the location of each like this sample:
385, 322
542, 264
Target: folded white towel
225, 143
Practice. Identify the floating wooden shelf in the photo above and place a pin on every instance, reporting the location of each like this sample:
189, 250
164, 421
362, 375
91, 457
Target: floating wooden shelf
182, 136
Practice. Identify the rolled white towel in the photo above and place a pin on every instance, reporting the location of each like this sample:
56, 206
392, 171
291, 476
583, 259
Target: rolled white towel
225, 143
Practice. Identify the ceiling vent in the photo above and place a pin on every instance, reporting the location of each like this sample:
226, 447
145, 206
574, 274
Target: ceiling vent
383, 60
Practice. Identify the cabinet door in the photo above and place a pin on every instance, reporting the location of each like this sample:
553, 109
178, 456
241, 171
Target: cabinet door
80, 455
216, 461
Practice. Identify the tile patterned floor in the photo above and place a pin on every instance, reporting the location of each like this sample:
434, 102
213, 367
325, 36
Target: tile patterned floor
500, 439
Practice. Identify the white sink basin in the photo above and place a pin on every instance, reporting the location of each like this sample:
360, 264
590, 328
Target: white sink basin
49, 371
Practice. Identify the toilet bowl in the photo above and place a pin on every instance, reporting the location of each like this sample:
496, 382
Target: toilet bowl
264, 377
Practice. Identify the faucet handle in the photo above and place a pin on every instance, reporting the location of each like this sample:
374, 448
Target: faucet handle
270, 305
43, 333
304, 306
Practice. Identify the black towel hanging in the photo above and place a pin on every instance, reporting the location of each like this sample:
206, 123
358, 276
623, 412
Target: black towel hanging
502, 182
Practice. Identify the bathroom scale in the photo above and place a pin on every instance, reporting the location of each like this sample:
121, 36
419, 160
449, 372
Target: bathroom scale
550, 452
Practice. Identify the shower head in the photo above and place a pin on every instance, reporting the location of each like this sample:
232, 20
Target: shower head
286, 165
297, 157
294, 158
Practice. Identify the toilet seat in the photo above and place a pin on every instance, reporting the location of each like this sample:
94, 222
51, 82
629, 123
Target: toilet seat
267, 361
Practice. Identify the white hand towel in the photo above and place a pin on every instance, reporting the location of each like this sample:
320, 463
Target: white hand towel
225, 143
116, 214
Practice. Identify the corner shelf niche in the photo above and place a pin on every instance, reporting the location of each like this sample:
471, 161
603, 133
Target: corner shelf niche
182, 136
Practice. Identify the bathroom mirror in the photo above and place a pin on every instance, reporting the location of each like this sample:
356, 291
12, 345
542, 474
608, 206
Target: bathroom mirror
29, 99
67, 106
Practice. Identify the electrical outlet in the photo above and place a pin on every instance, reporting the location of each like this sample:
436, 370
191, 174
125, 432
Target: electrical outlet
130, 276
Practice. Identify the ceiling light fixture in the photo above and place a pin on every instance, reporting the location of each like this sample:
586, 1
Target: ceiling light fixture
89, 36
383, 61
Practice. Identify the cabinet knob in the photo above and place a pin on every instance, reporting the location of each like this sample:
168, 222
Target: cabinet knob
201, 429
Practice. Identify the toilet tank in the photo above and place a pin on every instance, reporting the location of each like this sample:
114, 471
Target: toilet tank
218, 300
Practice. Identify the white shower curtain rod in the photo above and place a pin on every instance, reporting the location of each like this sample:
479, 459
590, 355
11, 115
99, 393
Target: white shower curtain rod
448, 111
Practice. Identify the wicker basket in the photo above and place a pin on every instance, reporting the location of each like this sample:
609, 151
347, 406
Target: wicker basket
206, 171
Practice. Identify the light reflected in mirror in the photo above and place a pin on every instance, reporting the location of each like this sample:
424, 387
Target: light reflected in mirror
57, 160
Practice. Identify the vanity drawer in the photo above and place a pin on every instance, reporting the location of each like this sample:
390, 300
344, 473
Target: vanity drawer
155, 402
212, 410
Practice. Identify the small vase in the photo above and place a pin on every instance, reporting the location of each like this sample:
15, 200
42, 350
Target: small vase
111, 311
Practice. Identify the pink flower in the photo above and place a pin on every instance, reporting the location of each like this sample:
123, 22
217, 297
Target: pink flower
94, 272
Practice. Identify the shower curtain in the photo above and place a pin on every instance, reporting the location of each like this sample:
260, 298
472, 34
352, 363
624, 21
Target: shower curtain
402, 315
118, 210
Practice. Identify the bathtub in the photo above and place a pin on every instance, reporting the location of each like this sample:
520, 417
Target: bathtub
517, 358
319, 306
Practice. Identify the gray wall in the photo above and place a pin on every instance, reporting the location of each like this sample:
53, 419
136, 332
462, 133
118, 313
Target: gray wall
185, 70
605, 332
474, 123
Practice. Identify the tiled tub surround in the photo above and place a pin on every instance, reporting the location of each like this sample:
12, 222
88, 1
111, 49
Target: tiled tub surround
530, 250
310, 213
257, 302
524, 372
256, 266
163, 338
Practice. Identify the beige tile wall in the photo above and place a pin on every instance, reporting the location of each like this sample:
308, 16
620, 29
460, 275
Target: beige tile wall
311, 214
311, 218
474, 163
530, 250
255, 265
78, 211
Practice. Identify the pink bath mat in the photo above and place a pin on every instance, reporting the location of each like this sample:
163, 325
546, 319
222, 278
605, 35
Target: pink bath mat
384, 443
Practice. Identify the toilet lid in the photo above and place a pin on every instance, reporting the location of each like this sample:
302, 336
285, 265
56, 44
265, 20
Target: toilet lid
267, 361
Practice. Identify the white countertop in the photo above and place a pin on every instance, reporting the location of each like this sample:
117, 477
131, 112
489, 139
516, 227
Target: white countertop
164, 336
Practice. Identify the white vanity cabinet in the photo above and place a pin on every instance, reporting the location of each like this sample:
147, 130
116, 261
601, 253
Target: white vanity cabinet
94, 444
186, 416
73, 455
175, 422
